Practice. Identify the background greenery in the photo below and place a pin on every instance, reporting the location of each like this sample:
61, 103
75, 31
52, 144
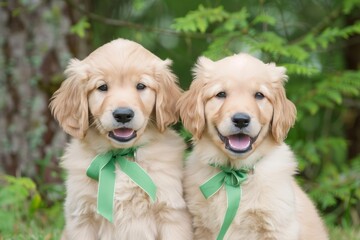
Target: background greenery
317, 40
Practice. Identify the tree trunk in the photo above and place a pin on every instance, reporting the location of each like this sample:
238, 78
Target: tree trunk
352, 60
35, 46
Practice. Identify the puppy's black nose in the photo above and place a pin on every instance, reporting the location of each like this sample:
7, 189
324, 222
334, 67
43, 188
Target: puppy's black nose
241, 120
123, 115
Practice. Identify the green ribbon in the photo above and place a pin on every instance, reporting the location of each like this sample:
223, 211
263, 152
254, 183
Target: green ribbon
102, 169
232, 178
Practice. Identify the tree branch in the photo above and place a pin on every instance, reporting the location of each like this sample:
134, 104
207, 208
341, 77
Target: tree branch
136, 26
320, 26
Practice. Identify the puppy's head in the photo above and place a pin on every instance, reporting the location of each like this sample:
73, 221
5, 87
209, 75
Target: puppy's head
237, 102
120, 89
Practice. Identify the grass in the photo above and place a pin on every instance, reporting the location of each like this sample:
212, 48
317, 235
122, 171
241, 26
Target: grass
52, 231
35, 233
337, 233
42, 224
39, 228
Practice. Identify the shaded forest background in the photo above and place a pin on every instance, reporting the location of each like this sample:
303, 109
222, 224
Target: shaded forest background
317, 40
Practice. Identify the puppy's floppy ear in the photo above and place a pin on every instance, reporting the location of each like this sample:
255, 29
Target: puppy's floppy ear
168, 93
284, 115
191, 104
69, 103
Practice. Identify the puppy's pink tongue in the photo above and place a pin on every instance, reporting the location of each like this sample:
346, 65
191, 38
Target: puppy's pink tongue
123, 132
239, 141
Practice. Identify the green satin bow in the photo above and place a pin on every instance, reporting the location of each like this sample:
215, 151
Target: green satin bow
102, 169
232, 178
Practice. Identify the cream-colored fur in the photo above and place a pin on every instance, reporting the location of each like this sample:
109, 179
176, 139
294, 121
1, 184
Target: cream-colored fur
86, 112
272, 204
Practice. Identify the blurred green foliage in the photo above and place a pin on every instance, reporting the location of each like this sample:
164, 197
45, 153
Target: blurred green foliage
13, 201
308, 37
23, 212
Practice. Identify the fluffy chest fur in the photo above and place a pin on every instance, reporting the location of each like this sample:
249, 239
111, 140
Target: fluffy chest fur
267, 202
160, 157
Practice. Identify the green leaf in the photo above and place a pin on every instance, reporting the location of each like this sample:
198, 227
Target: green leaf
331, 34
328, 201
349, 5
297, 52
309, 41
312, 107
200, 19
335, 96
220, 47
202, 24
264, 19
80, 27
237, 20
300, 69
35, 203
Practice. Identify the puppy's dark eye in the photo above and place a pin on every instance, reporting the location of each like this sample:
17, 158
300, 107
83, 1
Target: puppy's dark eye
140, 86
221, 95
103, 88
259, 96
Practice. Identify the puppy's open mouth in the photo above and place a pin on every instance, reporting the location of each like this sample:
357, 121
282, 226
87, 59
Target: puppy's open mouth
122, 134
238, 143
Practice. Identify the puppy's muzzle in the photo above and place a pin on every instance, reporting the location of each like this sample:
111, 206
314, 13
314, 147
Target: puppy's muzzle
123, 115
241, 120
239, 141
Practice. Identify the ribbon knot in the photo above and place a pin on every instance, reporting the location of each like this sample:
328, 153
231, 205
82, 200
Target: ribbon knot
232, 179
102, 169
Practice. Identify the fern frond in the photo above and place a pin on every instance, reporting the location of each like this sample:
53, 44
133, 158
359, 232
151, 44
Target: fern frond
200, 19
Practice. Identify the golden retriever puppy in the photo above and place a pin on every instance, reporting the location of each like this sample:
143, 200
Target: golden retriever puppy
238, 179
117, 104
